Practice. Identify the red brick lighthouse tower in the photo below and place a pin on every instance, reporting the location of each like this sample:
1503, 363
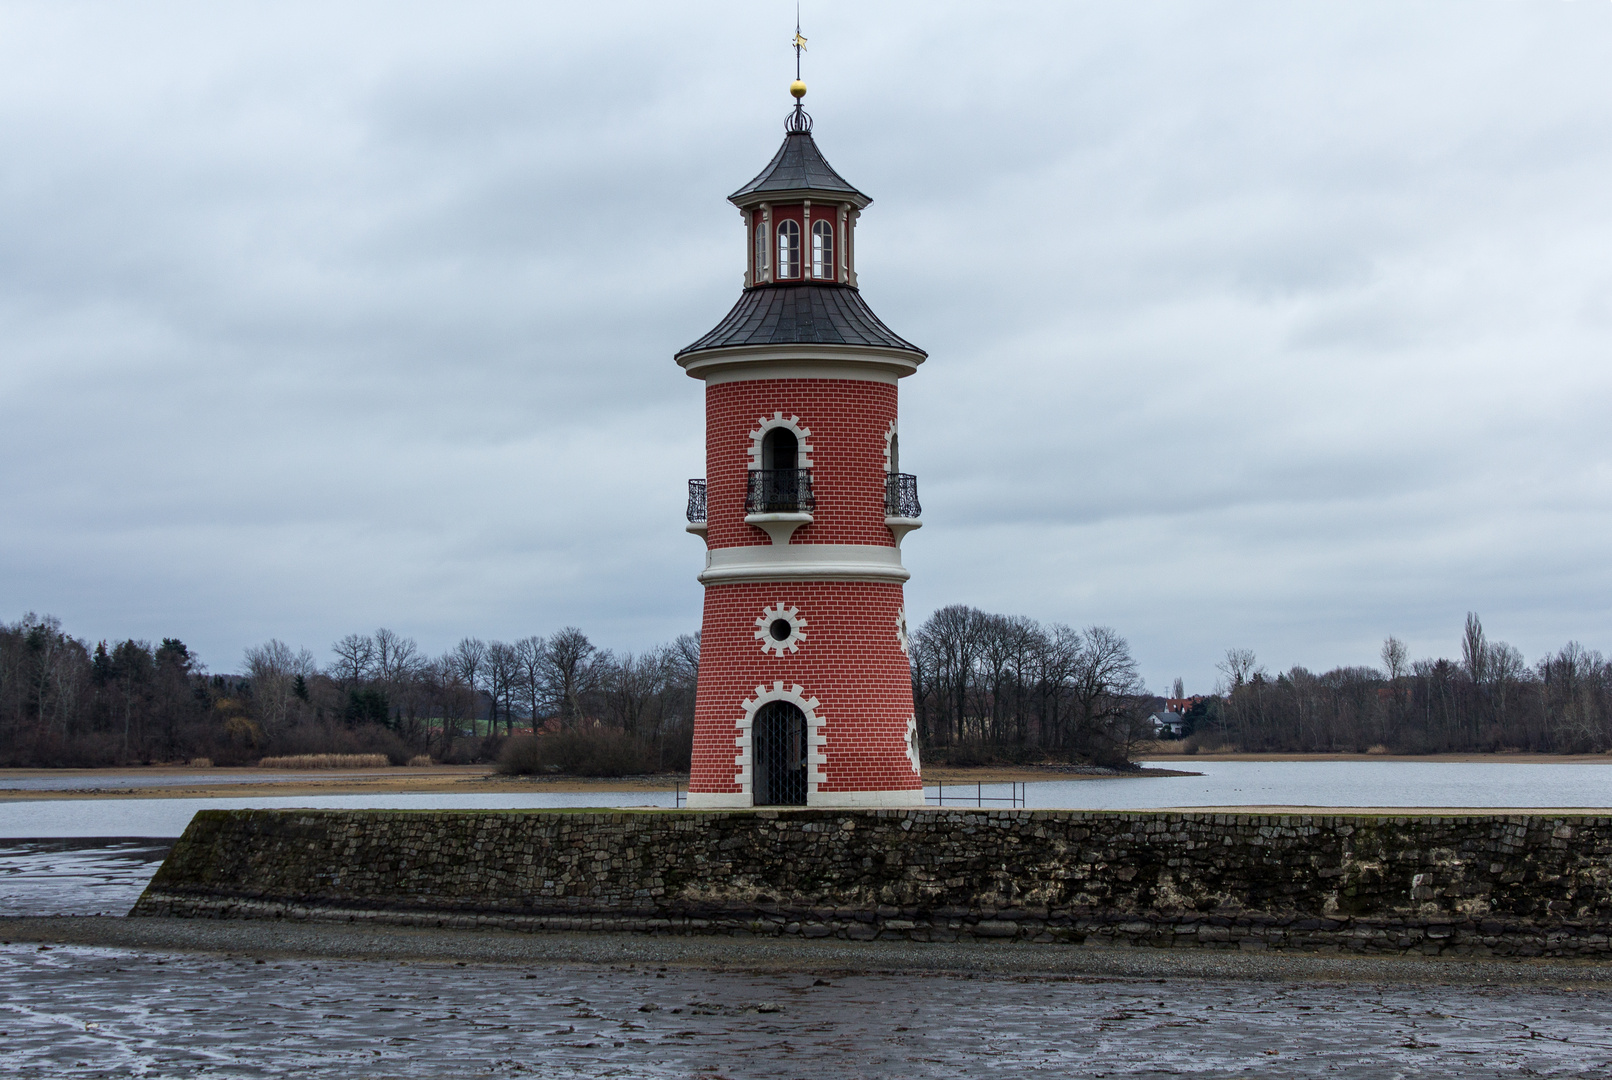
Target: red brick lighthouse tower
805, 696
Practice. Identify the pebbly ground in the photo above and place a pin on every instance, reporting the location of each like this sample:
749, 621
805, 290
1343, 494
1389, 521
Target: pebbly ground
103, 997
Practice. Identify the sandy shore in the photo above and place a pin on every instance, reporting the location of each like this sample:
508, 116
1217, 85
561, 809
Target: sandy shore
180, 782
1495, 759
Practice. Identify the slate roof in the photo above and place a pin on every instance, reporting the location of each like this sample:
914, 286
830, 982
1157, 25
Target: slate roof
817, 314
798, 166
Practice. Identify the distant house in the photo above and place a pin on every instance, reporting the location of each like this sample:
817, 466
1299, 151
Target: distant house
1168, 725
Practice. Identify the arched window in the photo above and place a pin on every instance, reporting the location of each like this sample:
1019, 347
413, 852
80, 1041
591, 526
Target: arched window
822, 250
761, 251
780, 449
788, 249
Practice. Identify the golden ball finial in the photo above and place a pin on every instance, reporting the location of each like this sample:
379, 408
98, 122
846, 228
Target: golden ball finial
797, 88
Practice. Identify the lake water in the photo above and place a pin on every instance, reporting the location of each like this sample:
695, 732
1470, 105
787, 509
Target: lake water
1223, 783
109, 781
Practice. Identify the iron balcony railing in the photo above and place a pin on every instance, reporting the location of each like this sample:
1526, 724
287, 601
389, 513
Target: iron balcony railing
780, 491
901, 496
696, 500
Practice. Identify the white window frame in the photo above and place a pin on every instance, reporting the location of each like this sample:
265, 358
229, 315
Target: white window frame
822, 250
788, 267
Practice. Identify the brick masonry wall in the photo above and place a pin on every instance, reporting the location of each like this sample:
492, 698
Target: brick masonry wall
1496, 885
848, 419
850, 660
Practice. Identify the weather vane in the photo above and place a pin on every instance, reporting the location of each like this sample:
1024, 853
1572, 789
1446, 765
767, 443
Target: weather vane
799, 43
799, 120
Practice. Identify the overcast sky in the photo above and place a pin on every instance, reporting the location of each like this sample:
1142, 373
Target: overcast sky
1271, 325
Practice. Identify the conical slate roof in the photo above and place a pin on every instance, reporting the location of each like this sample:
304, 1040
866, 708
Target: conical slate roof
820, 314
798, 166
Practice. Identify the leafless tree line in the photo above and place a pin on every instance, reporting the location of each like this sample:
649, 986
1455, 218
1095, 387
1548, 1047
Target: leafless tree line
63, 702
1008, 687
1490, 699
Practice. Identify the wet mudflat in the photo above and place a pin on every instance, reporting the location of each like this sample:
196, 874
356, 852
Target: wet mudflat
76, 877
89, 1011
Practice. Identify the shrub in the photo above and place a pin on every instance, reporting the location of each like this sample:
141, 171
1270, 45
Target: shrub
315, 739
201, 763
326, 761
596, 751
464, 750
421, 761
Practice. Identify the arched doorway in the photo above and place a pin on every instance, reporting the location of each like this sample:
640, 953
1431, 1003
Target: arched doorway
778, 755
780, 449
780, 474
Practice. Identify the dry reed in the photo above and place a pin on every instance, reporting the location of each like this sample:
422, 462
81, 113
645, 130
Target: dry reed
420, 761
200, 763
326, 761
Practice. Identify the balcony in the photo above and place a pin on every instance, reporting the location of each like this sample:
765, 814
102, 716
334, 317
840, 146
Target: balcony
901, 508
779, 501
696, 507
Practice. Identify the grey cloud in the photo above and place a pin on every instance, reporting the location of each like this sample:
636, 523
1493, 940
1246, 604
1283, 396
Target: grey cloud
1257, 324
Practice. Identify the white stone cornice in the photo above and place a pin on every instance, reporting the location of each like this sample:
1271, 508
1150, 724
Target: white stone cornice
866, 362
804, 562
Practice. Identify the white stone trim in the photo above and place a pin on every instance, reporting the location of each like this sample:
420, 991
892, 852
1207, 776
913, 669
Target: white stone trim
779, 420
804, 562
903, 798
815, 740
902, 637
889, 434
912, 746
797, 629
867, 362
717, 800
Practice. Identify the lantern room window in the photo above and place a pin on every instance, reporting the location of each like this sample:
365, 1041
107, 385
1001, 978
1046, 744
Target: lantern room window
788, 250
761, 251
822, 250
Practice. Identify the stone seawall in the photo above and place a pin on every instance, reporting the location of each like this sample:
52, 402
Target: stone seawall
1481, 884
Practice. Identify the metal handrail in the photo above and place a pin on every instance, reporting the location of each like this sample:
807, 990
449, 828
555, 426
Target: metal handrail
780, 491
1020, 796
696, 500
901, 496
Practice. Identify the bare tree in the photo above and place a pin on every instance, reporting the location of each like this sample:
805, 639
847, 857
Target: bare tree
273, 669
1474, 650
355, 656
500, 674
1238, 667
571, 671
1394, 658
1104, 689
395, 657
531, 662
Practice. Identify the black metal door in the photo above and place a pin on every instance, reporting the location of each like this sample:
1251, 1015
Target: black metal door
778, 749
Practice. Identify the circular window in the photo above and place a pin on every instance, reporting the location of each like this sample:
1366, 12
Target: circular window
780, 629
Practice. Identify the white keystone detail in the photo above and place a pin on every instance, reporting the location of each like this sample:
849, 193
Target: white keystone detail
815, 739
779, 420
